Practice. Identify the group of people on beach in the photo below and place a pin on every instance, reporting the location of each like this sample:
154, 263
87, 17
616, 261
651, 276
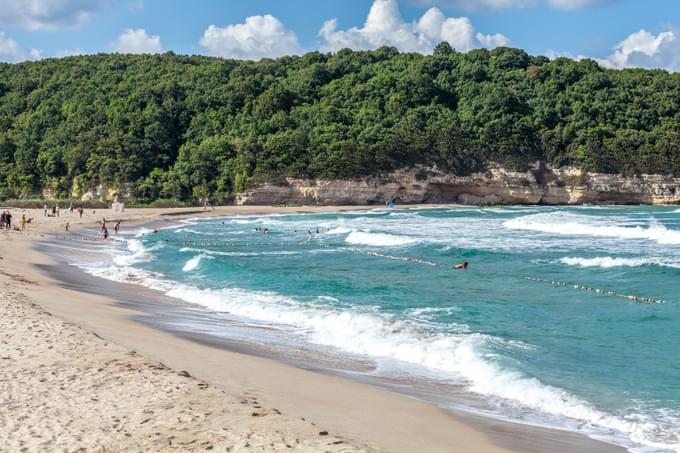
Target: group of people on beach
56, 211
105, 231
6, 221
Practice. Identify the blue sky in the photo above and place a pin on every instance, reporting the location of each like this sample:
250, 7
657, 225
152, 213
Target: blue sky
618, 33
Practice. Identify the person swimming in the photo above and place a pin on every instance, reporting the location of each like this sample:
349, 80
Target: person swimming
463, 265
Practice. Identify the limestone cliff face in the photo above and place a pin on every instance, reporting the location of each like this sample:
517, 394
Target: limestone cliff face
539, 185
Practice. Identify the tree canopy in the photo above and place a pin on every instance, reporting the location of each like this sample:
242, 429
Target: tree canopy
186, 127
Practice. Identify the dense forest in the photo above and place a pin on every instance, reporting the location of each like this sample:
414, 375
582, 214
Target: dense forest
186, 127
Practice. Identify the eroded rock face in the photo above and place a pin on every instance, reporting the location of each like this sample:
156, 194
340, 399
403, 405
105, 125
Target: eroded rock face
104, 193
539, 185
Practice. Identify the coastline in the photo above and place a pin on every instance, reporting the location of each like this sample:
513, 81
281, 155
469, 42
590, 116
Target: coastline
364, 414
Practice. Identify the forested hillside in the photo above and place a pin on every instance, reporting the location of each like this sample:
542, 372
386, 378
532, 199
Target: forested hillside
184, 127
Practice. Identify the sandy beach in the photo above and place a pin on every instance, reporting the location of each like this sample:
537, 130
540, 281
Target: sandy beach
79, 375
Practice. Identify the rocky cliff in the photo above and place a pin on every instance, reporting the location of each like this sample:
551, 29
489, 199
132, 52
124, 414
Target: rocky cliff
539, 185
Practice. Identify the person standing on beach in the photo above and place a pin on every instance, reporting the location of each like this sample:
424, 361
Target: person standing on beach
45, 208
8, 220
22, 221
105, 232
103, 226
80, 211
116, 227
67, 226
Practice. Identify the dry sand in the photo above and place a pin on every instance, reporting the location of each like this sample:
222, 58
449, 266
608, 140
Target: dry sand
67, 389
70, 379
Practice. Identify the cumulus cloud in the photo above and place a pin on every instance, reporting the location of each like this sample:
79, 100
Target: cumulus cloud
258, 37
475, 5
137, 41
645, 50
385, 26
11, 52
49, 14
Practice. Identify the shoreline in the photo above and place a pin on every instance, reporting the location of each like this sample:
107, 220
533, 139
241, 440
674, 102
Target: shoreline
358, 411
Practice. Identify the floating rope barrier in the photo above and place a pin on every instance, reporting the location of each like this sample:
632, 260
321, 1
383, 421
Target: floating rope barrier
604, 292
398, 258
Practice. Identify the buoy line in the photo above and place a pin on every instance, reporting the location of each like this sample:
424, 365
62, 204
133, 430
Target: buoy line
398, 258
604, 292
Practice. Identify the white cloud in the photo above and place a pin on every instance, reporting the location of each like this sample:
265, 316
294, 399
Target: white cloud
49, 14
644, 50
137, 41
385, 26
258, 37
476, 5
11, 52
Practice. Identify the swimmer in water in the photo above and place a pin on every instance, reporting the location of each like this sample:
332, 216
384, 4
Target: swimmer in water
463, 265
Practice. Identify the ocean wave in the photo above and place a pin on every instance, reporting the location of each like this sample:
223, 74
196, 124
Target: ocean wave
608, 262
140, 253
571, 225
339, 230
197, 233
246, 221
243, 254
378, 239
194, 262
432, 311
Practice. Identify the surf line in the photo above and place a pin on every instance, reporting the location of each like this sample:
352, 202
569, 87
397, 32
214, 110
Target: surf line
632, 298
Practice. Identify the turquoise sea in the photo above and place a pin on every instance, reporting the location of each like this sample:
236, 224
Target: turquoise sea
542, 328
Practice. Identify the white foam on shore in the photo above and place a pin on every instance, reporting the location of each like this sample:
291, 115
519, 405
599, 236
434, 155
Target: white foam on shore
573, 225
609, 262
378, 239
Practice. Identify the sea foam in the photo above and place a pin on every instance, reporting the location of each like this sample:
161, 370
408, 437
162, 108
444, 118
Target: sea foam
571, 225
378, 239
608, 262
194, 262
